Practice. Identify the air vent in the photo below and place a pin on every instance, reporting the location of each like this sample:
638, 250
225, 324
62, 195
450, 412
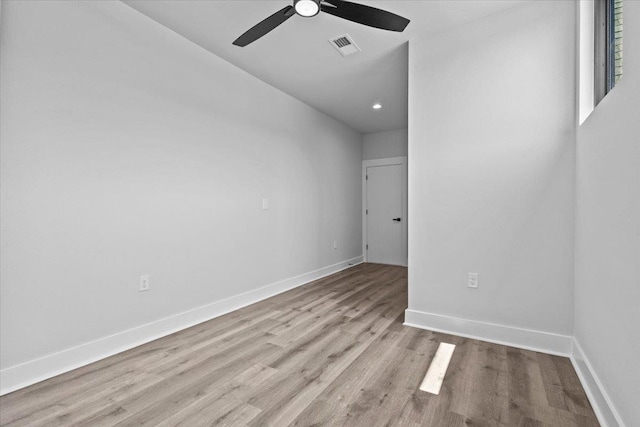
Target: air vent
345, 45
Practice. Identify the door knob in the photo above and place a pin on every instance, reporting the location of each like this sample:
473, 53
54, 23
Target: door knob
397, 219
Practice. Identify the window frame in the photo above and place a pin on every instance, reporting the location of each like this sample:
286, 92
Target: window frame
605, 49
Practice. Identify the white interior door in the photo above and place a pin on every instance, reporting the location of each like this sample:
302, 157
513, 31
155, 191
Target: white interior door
385, 224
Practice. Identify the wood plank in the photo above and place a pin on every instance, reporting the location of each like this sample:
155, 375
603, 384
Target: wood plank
437, 369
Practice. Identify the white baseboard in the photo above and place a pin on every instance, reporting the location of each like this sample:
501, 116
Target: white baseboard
33, 371
527, 339
598, 397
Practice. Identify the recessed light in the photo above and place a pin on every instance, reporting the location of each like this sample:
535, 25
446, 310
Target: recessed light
377, 106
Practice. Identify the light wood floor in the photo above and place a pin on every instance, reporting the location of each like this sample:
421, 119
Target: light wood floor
333, 352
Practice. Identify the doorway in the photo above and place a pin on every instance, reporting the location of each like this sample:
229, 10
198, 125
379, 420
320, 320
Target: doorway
385, 210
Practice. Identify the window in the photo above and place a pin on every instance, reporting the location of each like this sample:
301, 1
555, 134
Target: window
617, 49
608, 46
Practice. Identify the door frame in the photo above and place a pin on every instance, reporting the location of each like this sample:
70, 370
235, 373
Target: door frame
389, 161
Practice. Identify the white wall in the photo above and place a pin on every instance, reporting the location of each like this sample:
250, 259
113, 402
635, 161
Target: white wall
607, 263
491, 174
128, 150
382, 145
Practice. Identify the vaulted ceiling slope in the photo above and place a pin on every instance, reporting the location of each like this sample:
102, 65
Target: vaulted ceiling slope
298, 59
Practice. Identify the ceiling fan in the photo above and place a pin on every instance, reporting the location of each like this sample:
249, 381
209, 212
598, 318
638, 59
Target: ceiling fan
365, 15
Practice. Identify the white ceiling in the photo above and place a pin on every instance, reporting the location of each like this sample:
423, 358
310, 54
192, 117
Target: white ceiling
297, 58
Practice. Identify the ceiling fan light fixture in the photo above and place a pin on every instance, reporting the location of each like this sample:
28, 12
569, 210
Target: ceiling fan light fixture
307, 8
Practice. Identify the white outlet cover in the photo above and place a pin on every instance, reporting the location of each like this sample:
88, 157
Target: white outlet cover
265, 204
145, 282
472, 280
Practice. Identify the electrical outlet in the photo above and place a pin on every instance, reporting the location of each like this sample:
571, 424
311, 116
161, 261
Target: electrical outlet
145, 282
472, 280
335, 244
265, 204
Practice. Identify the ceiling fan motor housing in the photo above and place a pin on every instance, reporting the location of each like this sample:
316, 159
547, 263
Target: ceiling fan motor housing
307, 8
